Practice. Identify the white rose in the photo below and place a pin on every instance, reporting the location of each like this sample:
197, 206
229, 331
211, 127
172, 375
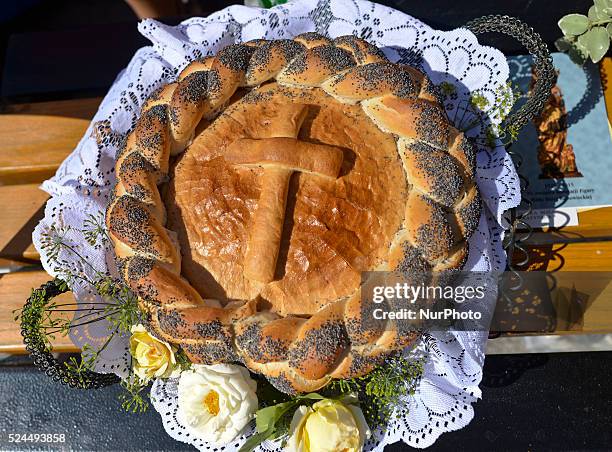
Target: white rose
216, 402
327, 426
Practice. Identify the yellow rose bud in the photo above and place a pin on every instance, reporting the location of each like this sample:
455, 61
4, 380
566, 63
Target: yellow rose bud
328, 426
153, 358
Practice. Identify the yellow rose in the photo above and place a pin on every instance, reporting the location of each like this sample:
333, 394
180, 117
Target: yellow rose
327, 426
153, 358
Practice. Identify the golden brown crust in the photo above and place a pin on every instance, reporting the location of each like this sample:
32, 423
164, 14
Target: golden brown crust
266, 229
310, 40
315, 65
363, 52
414, 119
265, 337
136, 231
286, 153
270, 58
334, 338
138, 179
158, 285
373, 80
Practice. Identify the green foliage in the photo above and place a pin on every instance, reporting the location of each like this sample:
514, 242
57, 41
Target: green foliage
118, 306
131, 399
123, 312
94, 229
447, 89
596, 41
182, 360
39, 319
587, 36
253, 441
574, 24
384, 390
44, 319
379, 393
272, 422
53, 240
81, 368
36, 319
271, 3
479, 101
470, 113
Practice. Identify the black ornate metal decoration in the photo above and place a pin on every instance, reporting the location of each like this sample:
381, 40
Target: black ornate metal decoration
33, 338
545, 72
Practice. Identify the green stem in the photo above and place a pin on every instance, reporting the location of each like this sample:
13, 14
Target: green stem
58, 330
70, 248
78, 304
75, 310
108, 339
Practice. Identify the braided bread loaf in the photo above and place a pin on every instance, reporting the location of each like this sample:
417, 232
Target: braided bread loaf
297, 350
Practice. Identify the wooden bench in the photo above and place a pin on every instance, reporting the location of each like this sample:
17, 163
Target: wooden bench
36, 137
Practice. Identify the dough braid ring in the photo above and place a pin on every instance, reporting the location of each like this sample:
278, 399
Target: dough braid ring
296, 354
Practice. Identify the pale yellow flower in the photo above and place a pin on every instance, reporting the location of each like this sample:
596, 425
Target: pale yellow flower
327, 426
152, 357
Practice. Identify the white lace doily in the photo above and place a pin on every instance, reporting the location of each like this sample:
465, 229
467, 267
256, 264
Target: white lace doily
81, 186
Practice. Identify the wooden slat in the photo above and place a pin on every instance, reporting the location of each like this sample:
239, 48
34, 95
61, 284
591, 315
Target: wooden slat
22, 207
561, 303
582, 256
597, 313
15, 288
582, 300
593, 224
33, 146
606, 72
73, 108
13, 265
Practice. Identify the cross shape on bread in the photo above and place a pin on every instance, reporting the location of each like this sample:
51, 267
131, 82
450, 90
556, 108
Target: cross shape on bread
280, 154
409, 203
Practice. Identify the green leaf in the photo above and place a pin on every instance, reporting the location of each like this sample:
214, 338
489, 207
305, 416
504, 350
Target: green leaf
311, 396
597, 14
609, 29
255, 440
580, 46
349, 399
601, 4
266, 418
573, 24
596, 41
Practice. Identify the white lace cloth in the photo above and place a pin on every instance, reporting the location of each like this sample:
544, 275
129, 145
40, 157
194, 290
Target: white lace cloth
81, 186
